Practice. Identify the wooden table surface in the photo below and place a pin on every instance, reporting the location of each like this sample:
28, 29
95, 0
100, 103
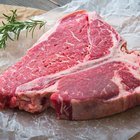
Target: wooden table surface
40, 4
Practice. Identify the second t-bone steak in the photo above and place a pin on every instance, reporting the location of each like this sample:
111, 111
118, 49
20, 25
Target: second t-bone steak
76, 39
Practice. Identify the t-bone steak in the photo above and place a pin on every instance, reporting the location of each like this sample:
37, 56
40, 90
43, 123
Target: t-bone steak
81, 68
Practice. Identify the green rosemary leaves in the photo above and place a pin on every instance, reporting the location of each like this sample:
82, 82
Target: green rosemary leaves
13, 26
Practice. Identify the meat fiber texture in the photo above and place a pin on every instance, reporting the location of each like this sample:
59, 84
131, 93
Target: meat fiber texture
81, 68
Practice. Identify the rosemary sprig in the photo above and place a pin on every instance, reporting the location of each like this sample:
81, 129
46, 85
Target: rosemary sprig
15, 27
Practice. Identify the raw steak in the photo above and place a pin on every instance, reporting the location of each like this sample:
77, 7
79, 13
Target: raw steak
81, 68
86, 91
77, 38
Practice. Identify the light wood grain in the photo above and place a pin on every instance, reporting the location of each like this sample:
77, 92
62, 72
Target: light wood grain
23, 13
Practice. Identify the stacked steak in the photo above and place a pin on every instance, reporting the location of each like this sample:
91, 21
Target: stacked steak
81, 68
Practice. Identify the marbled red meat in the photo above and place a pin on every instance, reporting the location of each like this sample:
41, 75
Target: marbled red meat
81, 68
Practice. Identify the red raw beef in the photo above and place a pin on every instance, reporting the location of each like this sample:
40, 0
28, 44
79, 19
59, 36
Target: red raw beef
81, 68
86, 91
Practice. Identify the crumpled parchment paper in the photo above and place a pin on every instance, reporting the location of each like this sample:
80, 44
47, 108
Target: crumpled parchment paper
19, 125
